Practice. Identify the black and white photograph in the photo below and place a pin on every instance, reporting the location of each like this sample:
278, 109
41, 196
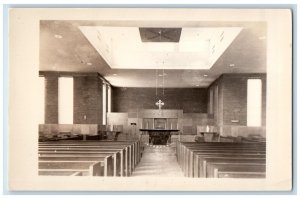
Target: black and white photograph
150, 99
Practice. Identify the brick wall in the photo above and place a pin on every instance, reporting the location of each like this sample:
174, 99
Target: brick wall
235, 100
87, 100
191, 100
51, 99
217, 102
232, 99
87, 97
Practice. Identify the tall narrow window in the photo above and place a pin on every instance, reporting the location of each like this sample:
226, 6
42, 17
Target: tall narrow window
108, 99
216, 104
211, 99
254, 97
65, 100
104, 103
41, 100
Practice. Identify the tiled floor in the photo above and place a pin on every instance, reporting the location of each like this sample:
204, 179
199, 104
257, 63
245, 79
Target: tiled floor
158, 160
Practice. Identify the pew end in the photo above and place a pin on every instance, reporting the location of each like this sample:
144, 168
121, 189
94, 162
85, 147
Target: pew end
109, 166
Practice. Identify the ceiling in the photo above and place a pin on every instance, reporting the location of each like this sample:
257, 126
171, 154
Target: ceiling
196, 48
204, 50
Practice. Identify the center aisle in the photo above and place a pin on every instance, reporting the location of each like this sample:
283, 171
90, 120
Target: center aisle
158, 161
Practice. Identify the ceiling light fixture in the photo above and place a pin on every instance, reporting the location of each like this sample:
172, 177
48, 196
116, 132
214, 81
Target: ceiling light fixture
164, 74
262, 37
205, 75
115, 74
58, 36
89, 64
231, 65
160, 103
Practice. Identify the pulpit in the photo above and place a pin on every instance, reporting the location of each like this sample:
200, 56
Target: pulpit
207, 132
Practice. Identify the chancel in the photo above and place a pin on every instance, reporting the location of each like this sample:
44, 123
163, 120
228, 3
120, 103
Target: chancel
174, 97
161, 131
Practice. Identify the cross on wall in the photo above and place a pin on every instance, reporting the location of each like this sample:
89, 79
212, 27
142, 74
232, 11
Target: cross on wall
159, 103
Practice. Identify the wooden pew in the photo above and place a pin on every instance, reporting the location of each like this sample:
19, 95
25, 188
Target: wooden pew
50, 172
125, 151
186, 151
189, 170
236, 160
129, 157
136, 146
89, 168
118, 155
236, 174
200, 167
221, 143
182, 146
100, 154
189, 156
194, 157
107, 165
239, 170
122, 162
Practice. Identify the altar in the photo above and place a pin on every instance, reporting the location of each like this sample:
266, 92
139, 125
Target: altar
159, 136
159, 124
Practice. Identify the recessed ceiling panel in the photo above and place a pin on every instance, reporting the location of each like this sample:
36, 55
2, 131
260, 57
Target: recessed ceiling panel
198, 48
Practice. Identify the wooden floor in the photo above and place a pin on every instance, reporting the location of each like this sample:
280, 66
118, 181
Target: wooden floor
158, 161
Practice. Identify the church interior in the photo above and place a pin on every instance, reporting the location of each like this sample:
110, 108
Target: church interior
142, 98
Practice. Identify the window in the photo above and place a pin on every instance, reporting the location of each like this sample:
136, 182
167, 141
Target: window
254, 97
109, 99
211, 95
216, 104
104, 103
41, 100
65, 100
